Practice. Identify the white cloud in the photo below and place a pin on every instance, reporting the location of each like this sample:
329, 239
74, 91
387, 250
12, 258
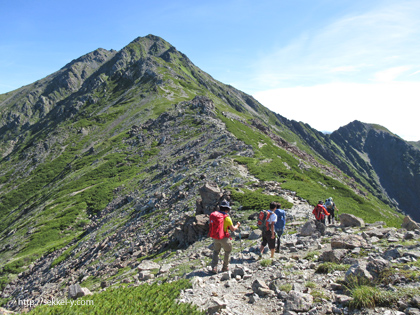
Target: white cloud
359, 67
326, 107
391, 74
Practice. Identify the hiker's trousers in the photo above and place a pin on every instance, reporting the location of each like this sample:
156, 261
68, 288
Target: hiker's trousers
226, 244
331, 216
279, 233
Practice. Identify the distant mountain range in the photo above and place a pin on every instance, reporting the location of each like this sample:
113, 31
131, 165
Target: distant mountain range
123, 139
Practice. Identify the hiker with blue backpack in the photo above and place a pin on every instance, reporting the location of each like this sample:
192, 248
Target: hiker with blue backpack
280, 225
331, 207
219, 225
268, 231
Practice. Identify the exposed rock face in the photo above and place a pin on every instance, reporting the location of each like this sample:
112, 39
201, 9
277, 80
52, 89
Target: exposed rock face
370, 152
395, 162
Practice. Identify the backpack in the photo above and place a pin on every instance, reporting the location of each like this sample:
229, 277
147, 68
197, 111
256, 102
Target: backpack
329, 204
319, 212
216, 225
281, 219
262, 222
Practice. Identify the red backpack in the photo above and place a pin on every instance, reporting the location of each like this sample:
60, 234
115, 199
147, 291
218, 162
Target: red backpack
216, 230
262, 222
319, 212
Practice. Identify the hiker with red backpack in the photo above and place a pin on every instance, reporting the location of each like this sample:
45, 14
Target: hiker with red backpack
219, 225
268, 233
320, 212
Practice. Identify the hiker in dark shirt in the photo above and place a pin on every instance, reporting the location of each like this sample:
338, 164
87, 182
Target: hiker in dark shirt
280, 225
331, 208
269, 234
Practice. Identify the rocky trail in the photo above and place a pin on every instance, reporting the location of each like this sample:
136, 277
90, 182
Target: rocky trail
294, 282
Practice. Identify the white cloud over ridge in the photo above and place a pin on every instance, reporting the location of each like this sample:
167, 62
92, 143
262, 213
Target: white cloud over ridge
362, 66
394, 105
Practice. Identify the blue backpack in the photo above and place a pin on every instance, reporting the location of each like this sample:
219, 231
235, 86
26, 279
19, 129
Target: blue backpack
281, 219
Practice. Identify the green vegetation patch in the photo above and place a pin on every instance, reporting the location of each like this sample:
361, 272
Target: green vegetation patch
256, 200
330, 267
144, 299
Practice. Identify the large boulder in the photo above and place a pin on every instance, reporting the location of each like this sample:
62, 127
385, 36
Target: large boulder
349, 241
75, 291
392, 253
335, 255
192, 229
312, 227
351, 220
298, 302
210, 197
378, 232
147, 265
409, 224
376, 265
367, 271
358, 272
215, 305
261, 288
255, 235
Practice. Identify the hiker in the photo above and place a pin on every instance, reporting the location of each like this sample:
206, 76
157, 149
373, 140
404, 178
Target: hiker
331, 207
280, 224
269, 234
224, 239
320, 212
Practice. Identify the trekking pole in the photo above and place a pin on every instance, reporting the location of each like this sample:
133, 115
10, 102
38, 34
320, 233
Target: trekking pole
285, 235
240, 244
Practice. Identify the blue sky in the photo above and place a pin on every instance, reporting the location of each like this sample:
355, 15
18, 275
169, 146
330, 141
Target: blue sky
323, 62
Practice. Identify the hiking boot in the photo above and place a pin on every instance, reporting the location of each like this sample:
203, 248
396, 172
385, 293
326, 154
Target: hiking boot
225, 269
259, 256
214, 270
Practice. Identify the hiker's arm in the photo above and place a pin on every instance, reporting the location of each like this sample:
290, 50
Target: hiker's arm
233, 228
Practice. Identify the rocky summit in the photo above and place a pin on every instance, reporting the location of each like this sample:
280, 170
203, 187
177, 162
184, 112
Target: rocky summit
111, 166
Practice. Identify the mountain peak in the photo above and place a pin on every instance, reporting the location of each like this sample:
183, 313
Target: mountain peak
150, 44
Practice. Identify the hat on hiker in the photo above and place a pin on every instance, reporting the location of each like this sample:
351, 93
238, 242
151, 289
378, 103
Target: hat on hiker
225, 204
